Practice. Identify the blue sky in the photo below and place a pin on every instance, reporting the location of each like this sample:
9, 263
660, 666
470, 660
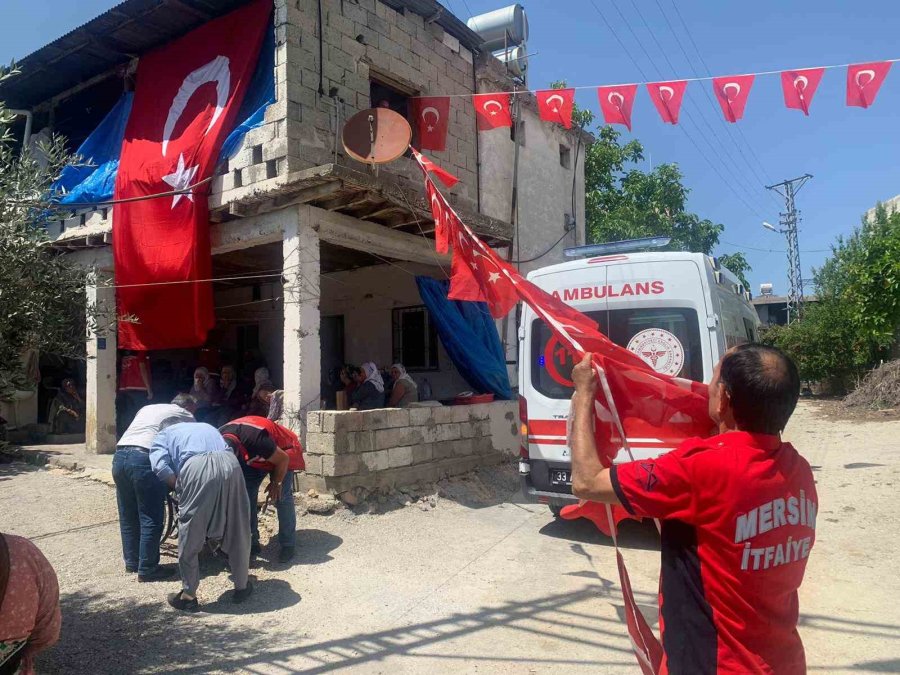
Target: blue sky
853, 153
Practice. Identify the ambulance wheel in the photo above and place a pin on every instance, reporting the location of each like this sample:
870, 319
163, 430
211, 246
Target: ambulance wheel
556, 509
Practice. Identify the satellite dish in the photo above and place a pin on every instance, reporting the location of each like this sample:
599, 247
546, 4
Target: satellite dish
376, 136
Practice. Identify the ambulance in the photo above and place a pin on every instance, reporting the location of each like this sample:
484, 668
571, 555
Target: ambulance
678, 311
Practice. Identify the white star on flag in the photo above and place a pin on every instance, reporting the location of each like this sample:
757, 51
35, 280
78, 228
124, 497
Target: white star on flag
181, 179
494, 277
430, 128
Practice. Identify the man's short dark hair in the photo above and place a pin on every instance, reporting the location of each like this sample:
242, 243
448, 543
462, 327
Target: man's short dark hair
185, 401
763, 384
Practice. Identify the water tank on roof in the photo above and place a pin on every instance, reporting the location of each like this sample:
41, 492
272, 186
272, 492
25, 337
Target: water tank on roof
765, 289
502, 27
515, 59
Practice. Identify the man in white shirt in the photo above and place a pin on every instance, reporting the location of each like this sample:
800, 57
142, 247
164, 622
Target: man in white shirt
140, 494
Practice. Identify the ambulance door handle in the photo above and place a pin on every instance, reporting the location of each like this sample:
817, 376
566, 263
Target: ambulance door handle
712, 321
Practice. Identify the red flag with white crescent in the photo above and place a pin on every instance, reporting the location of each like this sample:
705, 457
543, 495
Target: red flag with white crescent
187, 96
863, 82
616, 103
492, 111
667, 97
556, 105
732, 92
799, 87
432, 115
443, 175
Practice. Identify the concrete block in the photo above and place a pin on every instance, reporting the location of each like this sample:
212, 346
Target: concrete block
314, 422
451, 42
423, 452
466, 55
421, 416
444, 450
313, 464
400, 456
401, 37
376, 461
356, 13
378, 24
339, 465
397, 437
464, 447
469, 430
445, 414
319, 443
385, 418
361, 441
448, 432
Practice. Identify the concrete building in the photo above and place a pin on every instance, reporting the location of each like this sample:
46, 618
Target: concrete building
772, 309
345, 241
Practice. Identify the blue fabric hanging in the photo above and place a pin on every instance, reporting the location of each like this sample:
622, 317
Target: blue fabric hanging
469, 336
95, 183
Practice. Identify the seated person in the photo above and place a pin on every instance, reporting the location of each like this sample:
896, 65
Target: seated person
231, 397
405, 390
205, 391
369, 394
261, 396
67, 409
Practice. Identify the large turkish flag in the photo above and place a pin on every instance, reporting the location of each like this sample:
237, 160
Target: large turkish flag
188, 93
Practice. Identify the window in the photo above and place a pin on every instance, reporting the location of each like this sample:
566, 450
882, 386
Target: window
551, 365
751, 330
565, 157
383, 95
415, 339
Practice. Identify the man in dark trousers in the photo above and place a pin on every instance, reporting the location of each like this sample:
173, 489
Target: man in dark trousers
266, 448
738, 516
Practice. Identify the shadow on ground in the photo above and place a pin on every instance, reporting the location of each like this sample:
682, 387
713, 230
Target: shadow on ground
632, 534
150, 637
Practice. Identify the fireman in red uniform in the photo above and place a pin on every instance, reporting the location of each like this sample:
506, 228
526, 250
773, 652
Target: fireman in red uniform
738, 517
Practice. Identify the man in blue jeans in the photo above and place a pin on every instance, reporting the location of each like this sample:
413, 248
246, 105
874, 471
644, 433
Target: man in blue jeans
266, 448
141, 496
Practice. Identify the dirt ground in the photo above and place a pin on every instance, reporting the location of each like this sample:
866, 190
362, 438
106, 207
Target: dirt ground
480, 583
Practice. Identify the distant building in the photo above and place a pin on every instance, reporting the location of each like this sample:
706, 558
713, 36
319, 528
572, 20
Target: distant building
892, 204
772, 309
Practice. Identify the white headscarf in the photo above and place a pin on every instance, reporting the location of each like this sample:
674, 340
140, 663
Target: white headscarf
260, 377
373, 376
403, 374
205, 373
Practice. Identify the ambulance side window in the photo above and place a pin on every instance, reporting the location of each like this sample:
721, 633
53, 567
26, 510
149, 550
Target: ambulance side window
751, 330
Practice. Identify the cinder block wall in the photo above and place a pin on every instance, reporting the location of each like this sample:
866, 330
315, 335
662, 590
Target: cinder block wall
361, 39
392, 448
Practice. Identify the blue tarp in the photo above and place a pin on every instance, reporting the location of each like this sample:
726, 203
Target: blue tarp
95, 183
469, 336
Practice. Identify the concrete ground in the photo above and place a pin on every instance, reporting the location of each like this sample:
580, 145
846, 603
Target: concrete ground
479, 583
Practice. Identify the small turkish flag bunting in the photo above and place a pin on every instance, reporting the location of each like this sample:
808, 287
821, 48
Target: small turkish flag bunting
863, 82
432, 114
492, 111
556, 105
667, 97
799, 87
732, 92
445, 176
616, 103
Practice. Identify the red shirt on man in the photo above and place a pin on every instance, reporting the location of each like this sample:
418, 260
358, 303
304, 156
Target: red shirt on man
738, 515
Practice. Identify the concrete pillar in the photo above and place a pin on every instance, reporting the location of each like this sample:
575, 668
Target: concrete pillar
302, 349
100, 422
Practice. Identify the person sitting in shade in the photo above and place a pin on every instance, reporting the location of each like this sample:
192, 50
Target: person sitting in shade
67, 409
193, 459
261, 397
370, 393
405, 390
205, 390
265, 448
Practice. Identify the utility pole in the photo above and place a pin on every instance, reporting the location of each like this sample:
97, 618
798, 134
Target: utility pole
790, 220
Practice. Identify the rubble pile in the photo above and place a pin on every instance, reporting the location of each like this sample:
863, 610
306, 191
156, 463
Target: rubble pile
879, 390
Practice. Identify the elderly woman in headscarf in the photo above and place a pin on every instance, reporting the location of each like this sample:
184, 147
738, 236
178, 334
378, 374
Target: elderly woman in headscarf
405, 390
67, 409
205, 390
370, 393
261, 398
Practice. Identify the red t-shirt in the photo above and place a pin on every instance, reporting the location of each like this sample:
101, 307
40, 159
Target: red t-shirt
738, 515
130, 376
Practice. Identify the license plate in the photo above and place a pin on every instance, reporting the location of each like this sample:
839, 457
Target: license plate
560, 477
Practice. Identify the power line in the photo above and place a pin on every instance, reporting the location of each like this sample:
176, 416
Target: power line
709, 73
690, 138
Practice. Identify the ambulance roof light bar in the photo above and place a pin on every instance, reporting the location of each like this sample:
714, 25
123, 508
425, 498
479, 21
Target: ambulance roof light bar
625, 246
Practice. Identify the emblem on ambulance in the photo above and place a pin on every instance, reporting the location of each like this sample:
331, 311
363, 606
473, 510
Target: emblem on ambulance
660, 348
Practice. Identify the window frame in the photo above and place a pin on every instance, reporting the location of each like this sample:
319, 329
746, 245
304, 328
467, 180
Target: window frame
430, 339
